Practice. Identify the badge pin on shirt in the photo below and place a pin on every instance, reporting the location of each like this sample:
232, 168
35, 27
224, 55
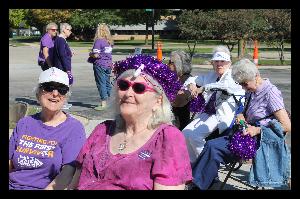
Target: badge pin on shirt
144, 154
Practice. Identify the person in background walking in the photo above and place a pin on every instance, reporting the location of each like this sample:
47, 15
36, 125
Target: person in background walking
62, 54
46, 47
101, 58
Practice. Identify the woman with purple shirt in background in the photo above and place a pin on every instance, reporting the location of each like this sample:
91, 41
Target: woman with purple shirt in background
101, 58
46, 47
44, 146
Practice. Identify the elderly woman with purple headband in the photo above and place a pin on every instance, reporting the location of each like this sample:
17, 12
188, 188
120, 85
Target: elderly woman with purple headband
140, 149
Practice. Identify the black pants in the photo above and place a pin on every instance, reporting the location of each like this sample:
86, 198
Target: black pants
43, 65
183, 115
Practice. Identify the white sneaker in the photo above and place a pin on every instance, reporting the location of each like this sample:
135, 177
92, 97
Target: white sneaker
67, 106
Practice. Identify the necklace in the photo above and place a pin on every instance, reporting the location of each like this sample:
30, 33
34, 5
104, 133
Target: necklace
123, 145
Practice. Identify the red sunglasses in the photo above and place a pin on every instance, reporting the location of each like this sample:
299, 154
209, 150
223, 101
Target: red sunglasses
137, 87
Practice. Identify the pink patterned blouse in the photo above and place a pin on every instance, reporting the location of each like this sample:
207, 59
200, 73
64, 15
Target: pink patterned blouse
162, 159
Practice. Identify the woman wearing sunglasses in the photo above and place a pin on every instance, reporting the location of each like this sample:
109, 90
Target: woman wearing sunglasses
45, 58
43, 146
140, 149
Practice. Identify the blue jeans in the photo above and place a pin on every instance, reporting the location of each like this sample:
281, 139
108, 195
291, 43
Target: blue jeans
102, 75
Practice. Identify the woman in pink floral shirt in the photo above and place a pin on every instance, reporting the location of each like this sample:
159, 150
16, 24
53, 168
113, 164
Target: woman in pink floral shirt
140, 149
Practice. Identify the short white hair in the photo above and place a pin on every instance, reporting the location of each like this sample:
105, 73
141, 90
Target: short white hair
244, 70
182, 62
162, 115
65, 26
221, 49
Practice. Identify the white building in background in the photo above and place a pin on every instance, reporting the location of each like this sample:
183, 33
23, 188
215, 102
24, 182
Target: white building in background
166, 28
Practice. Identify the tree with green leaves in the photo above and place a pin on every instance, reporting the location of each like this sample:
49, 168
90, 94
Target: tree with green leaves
277, 28
16, 17
39, 18
195, 25
85, 21
141, 16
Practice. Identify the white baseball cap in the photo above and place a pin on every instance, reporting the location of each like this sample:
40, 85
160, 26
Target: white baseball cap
220, 56
54, 75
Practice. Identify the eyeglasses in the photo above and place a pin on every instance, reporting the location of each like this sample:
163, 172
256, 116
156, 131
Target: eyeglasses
170, 62
53, 29
243, 84
138, 87
62, 90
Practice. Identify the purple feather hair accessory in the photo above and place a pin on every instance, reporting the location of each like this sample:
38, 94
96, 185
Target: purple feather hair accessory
243, 146
153, 67
197, 104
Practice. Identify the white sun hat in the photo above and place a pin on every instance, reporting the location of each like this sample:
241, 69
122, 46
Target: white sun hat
220, 56
54, 75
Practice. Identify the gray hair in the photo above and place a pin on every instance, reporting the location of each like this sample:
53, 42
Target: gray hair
162, 115
49, 25
65, 26
244, 70
182, 62
221, 49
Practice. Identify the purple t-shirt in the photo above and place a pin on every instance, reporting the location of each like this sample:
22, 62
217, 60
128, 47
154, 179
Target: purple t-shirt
264, 101
38, 151
48, 42
162, 159
104, 50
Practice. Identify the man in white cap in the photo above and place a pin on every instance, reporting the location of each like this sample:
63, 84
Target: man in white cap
220, 108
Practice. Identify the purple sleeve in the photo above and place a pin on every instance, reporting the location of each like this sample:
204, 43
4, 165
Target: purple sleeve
275, 100
46, 41
98, 45
62, 47
73, 144
172, 164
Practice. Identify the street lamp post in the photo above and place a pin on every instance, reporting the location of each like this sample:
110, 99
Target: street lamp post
152, 21
152, 29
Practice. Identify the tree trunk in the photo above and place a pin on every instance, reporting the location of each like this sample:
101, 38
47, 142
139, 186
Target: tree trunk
241, 48
191, 52
281, 51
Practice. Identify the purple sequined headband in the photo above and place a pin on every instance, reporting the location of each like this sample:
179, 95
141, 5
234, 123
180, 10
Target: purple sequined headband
153, 67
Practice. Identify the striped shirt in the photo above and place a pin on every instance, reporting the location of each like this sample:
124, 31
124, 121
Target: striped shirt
264, 101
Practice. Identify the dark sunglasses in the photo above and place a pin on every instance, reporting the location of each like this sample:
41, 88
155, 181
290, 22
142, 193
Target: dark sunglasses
53, 29
243, 84
170, 62
62, 90
138, 87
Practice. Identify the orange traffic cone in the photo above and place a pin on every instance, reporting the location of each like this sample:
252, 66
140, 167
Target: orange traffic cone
159, 51
255, 53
